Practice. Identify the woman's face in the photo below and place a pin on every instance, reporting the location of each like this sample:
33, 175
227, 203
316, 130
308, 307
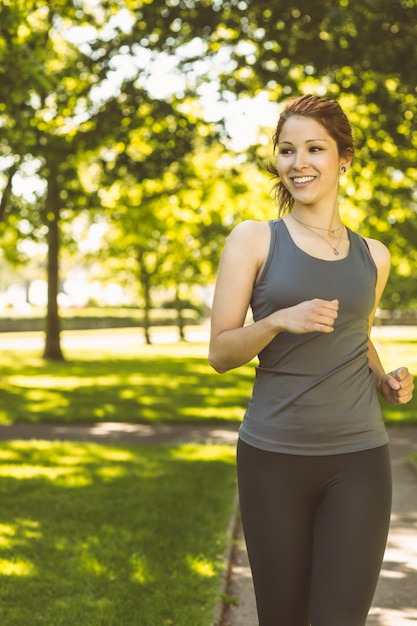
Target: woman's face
308, 161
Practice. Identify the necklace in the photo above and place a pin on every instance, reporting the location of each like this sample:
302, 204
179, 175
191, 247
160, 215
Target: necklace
332, 230
335, 248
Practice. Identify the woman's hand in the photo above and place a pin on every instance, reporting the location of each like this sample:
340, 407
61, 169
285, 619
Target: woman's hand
310, 316
397, 386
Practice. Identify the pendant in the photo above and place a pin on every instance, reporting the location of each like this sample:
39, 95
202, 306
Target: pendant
336, 252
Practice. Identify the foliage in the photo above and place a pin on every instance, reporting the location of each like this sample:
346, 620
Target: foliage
172, 230
112, 535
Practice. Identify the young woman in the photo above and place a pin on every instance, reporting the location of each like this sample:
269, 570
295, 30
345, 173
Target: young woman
313, 460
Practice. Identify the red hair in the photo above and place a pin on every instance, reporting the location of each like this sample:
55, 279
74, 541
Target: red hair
329, 114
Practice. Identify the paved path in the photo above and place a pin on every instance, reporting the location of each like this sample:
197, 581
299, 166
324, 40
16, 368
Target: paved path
395, 602
120, 432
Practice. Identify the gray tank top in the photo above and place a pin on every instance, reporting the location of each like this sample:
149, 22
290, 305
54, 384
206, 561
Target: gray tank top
314, 393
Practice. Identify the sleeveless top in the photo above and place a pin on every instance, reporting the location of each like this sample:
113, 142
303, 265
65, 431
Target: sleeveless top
314, 393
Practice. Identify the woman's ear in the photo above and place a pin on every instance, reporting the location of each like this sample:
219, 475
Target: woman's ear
344, 164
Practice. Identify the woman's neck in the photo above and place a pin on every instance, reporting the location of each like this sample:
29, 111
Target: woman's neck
325, 219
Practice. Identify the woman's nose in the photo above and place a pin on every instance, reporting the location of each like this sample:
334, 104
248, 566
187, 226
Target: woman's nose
300, 160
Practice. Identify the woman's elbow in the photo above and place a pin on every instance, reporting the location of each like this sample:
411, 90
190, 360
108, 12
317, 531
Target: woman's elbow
219, 370
215, 364
217, 367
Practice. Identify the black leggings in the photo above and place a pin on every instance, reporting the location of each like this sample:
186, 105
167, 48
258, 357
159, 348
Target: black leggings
315, 529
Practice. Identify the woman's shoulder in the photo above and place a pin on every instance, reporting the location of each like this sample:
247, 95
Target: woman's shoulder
250, 232
381, 256
378, 250
249, 242
249, 228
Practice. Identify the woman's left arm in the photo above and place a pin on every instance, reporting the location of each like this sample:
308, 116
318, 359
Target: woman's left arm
396, 386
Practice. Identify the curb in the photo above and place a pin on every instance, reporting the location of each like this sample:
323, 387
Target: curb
217, 617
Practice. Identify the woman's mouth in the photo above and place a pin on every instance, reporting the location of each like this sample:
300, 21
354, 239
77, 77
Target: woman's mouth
300, 181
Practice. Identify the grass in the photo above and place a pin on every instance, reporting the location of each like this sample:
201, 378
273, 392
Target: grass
126, 381
98, 535
133, 383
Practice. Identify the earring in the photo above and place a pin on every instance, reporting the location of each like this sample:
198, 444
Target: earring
343, 169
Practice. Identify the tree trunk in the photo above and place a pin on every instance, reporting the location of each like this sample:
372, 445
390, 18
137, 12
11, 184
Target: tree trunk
147, 325
145, 281
7, 190
180, 319
52, 349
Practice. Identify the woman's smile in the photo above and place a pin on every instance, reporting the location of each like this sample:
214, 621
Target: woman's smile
303, 181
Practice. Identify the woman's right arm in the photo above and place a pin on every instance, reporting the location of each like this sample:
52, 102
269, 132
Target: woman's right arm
233, 344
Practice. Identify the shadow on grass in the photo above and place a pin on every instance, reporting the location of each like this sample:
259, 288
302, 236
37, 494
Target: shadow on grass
160, 385
158, 388
112, 536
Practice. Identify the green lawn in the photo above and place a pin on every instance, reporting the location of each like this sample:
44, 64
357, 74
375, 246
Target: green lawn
149, 383
94, 535
136, 383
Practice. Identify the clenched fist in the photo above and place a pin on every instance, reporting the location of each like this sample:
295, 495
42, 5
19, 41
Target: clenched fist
309, 316
397, 386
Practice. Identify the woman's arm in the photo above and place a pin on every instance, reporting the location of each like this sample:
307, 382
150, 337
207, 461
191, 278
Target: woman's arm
231, 342
396, 386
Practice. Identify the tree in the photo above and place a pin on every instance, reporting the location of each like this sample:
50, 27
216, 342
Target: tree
169, 232
60, 108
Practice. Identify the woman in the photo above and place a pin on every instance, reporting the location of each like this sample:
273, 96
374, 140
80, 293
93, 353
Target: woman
313, 460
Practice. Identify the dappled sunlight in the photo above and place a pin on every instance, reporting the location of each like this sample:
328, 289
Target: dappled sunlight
67, 382
56, 474
61, 453
15, 567
67, 463
12, 537
209, 412
406, 616
140, 571
111, 473
43, 401
95, 525
7, 534
159, 385
194, 452
388, 573
89, 563
13, 534
201, 566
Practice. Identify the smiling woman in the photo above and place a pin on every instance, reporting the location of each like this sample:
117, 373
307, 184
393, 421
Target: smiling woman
313, 459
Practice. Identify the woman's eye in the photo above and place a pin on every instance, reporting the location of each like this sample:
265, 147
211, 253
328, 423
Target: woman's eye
285, 151
315, 149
